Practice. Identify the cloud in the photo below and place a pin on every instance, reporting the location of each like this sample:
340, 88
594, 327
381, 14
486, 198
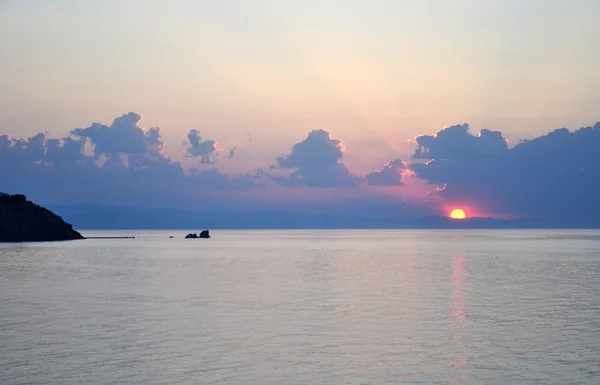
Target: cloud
389, 175
154, 141
317, 161
456, 142
22, 150
231, 152
206, 150
124, 136
127, 166
555, 176
66, 152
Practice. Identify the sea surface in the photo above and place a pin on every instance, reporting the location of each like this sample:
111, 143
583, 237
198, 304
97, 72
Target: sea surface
303, 307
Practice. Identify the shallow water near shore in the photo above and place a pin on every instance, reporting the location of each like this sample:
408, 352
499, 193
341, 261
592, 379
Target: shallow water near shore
303, 307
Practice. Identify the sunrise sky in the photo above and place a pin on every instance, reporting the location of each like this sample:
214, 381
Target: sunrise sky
258, 76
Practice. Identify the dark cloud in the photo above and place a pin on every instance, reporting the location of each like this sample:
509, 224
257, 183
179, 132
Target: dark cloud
389, 175
456, 142
231, 152
555, 176
317, 161
206, 150
124, 136
127, 165
154, 141
66, 152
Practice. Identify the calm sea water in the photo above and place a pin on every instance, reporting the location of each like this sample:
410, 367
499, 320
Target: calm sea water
304, 307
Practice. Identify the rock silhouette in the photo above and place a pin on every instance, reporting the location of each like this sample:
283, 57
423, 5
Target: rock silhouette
23, 221
203, 234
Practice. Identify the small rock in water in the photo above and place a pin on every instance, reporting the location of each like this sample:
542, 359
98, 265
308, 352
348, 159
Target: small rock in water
203, 234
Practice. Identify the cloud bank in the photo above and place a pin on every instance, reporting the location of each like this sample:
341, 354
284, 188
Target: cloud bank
117, 164
555, 176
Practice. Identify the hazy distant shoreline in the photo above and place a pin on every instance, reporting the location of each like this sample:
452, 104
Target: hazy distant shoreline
94, 217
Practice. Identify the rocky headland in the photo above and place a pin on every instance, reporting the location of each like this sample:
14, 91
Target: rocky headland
24, 221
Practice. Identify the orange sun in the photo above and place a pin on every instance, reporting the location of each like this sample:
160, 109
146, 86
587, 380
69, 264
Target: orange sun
458, 214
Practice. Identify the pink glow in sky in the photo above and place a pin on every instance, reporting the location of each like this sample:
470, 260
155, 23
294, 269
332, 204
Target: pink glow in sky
257, 76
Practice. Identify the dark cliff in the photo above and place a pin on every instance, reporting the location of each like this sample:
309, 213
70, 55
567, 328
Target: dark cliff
24, 221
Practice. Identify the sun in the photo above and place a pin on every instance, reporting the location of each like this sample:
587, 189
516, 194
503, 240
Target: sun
458, 214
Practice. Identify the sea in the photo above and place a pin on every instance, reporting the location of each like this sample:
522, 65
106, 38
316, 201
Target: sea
303, 307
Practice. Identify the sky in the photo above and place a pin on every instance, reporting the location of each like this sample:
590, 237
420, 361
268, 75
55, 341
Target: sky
304, 105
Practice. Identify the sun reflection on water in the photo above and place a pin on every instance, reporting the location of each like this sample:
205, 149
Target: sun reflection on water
458, 319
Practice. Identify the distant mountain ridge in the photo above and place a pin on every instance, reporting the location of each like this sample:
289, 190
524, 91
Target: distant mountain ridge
91, 216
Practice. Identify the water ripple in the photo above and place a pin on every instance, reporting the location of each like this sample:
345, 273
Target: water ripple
301, 307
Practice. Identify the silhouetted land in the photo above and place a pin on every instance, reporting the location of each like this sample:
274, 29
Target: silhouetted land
24, 221
88, 216
203, 234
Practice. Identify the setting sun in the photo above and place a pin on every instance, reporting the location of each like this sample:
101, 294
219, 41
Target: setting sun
457, 214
